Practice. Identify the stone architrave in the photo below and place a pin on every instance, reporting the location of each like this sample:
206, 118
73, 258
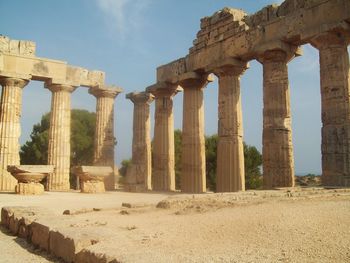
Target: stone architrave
10, 128
193, 177
230, 152
104, 132
59, 136
163, 175
139, 175
278, 159
335, 107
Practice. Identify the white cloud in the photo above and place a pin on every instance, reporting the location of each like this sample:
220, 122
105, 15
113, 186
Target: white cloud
125, 17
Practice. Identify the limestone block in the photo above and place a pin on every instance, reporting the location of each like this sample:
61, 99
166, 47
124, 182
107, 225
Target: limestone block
24, 230
89, 255
66, 246
20, 220
6, 213
29, 189
92, 187
39, 235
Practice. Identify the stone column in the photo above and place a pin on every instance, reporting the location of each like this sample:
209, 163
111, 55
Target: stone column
278, 160
140, 173
104, 132
335, 107
193, 173
163, 175
59, 136
10, 128
230, 152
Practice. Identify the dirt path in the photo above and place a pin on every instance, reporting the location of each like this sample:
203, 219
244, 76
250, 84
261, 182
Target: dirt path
17, 250
263, 226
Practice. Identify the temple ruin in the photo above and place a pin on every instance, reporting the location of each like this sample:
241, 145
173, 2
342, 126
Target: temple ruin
19, 65
225, 44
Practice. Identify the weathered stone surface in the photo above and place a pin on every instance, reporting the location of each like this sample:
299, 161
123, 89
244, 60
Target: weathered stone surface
163, 177
335, 97
92, 187
59, 136
278, 160
92, 178
17, 47
40, 235
18, 60
230, 156
229, 33
104, 133
90, 256
29, 189
10, 128
6, 213
30, 169
66, 246
193, 141
139, 175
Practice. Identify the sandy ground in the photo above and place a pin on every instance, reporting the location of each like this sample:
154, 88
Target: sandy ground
245, 227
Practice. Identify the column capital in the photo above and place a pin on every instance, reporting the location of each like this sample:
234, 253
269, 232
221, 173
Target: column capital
18, 82
105, 91
278, 52
59, 87
163, 89
333, 38
230, 66
194, 80
140, 97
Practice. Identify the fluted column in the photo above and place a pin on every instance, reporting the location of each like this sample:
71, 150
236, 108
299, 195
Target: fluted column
104, 132
193, 172
163, 176
230, 152
335, 107
278, 160
10, 128
59, 136
141, 168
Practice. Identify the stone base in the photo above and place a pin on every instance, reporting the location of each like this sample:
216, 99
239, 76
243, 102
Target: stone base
29, 189
134, 188
92, 187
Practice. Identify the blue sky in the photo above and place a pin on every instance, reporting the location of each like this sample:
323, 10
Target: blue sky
128, 39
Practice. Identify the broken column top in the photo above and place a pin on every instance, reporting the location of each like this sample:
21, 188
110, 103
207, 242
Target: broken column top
17, 47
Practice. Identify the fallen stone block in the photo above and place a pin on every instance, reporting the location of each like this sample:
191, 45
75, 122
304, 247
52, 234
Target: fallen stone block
6, 213
88, 256
39, 235
66, 246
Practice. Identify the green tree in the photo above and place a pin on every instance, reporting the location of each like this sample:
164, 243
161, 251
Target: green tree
34, 151
178, 154
211, 143
125, 165
252, 164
